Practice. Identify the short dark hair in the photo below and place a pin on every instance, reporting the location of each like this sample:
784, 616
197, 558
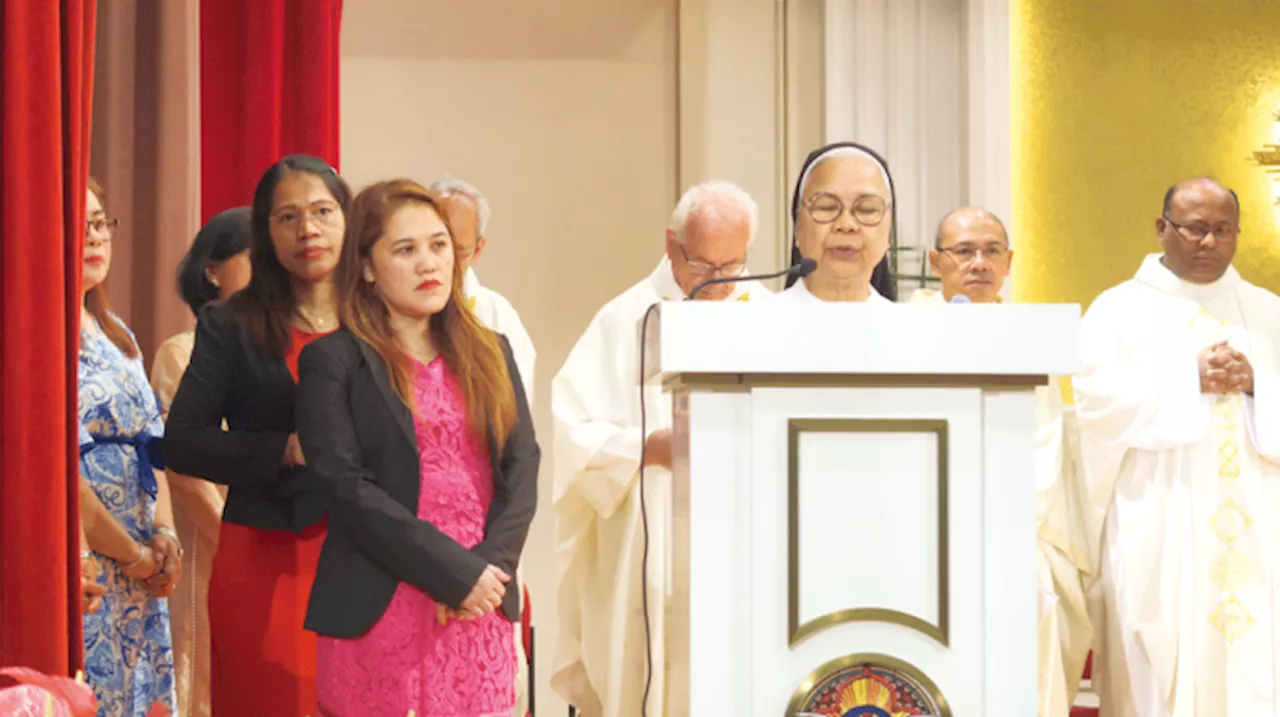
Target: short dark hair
224, 236
1173, 192
267, 304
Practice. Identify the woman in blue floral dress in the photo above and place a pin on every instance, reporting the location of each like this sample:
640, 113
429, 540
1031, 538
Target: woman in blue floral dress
125, 507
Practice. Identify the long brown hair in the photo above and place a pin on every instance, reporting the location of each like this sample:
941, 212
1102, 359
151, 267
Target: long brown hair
95, 301
471, 351
267, 305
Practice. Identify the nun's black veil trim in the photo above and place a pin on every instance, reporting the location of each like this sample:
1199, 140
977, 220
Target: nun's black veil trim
881, 278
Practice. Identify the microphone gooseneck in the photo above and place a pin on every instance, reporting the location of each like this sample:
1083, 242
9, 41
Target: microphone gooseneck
800, 269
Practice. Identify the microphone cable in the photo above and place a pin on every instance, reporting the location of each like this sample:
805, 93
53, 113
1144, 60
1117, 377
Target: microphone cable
644, 522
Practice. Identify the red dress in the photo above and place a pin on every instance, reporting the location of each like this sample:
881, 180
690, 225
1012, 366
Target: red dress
263, 662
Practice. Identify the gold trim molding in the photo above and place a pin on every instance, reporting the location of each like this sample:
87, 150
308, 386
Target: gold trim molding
797, 427
867, 658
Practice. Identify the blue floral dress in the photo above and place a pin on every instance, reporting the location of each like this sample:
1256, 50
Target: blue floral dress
128, 650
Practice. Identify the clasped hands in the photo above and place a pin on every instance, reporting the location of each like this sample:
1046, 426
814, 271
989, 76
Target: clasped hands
485, 597
1225, 370
160, 565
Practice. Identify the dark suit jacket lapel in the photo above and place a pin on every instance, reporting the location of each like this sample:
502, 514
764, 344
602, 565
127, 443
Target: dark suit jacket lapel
381, 378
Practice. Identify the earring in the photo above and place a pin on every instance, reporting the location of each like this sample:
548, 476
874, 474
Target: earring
213, 280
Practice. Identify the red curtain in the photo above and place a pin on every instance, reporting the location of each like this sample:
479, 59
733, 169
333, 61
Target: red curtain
268, 87
46, 79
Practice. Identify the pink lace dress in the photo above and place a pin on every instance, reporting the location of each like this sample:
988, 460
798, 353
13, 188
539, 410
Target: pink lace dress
407, 661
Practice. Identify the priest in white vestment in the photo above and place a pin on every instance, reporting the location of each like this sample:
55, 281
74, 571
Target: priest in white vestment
842, 216
971, 258
1062, 561
468, 212
601, 662
1179, 411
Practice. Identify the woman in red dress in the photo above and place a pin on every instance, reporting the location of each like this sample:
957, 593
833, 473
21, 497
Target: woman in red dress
243, 370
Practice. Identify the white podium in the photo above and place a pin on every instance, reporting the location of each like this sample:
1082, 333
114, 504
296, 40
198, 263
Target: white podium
854, 528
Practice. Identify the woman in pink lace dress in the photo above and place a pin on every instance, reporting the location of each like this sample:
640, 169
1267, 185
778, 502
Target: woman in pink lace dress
414, 417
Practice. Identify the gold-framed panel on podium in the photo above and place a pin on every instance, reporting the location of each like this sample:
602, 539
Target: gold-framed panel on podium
937, 429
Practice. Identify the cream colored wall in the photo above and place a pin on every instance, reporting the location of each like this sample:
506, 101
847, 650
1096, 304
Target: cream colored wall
564, 114
581, 120
731, 116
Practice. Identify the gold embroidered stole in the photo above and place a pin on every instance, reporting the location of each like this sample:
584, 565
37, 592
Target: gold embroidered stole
1231, 568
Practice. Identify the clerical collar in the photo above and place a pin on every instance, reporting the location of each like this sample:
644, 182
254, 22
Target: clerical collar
799, 292
1158, 276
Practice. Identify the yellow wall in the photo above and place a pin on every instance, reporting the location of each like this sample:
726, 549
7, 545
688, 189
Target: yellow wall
1113, 101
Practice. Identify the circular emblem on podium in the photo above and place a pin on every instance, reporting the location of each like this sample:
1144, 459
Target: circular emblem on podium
868, 686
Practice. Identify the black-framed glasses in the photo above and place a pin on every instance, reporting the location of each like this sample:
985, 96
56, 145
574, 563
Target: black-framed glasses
868, 210
702, 268
102, 226
967, 253
1224, 231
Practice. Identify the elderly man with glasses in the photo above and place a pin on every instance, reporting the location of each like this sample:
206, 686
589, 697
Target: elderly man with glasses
602, 657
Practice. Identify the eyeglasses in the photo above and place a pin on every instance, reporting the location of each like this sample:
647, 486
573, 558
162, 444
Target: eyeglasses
101, 226
1197, 232
325, 213
868, 210
967, 253
702, 268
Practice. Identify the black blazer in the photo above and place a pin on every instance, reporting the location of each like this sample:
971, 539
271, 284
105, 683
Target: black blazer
230, 378
360, 441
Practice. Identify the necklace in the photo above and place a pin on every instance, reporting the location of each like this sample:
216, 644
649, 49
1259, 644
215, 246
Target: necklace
317, 323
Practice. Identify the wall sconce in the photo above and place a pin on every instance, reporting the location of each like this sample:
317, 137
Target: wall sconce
1269, 158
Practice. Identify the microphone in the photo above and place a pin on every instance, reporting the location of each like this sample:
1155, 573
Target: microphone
960, 299
801, 268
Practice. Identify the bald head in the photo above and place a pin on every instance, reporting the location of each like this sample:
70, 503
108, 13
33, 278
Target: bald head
968, 218
1198, 185
1198, 229
971, 255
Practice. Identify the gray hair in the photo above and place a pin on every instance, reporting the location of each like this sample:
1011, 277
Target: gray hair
715, 200
457, 187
